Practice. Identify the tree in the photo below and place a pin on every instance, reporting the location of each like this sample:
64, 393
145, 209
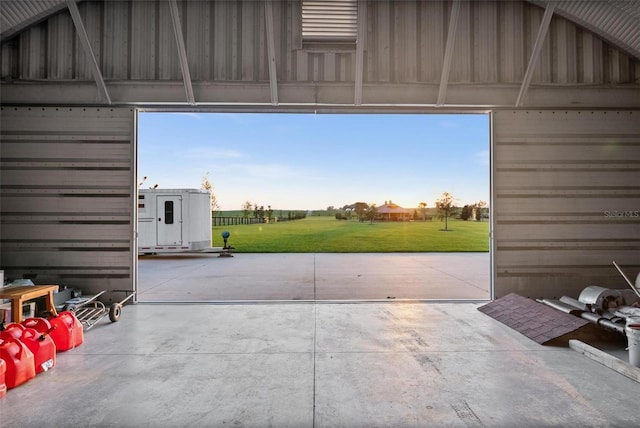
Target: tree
246, 209
269, 213
423, 210
446, 207
481, 209
208, 186
361, 208
467, 212
371, 212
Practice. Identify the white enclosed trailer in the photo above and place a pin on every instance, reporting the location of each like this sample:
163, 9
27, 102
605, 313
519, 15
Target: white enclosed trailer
174, 221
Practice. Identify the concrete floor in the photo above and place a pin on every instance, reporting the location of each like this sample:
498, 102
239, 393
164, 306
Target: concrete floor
318, 365
207, 277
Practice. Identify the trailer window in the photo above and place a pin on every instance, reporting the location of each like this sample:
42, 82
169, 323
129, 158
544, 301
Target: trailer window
168, 212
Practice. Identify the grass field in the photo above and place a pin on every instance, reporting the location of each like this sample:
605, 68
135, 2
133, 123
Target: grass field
328, 235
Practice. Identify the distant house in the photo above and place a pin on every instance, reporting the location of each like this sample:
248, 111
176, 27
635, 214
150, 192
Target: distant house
393, 212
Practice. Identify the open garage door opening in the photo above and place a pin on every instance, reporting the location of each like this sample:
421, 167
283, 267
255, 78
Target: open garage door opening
315, 207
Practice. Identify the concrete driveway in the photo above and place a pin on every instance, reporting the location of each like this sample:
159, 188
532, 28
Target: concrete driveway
321, 276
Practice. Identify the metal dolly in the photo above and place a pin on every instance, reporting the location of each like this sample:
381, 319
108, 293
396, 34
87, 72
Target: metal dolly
90, 310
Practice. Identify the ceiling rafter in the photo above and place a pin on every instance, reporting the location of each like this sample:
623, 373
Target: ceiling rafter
535, 53
271, 52
182, 52
448, 53
88, 50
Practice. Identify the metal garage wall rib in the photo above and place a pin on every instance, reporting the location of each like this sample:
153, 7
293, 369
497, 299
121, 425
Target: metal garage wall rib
67, 188
566, 200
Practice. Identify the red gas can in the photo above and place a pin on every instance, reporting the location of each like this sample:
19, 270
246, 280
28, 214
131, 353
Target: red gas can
20, 362
3, 385
12, 331
42, 325
67, 331
42, 347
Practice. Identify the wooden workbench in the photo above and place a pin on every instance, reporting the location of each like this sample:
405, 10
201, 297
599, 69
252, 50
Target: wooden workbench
18, 294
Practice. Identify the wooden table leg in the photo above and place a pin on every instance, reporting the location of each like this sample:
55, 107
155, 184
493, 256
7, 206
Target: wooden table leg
16, 310
51, 307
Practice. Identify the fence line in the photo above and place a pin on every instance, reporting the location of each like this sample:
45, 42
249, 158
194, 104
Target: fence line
232, 221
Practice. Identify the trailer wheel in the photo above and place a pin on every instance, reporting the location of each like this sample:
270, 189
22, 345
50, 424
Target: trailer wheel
114, 312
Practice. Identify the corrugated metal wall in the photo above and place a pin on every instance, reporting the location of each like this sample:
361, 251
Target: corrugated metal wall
557, 173
566, 200
226, 41
67, 192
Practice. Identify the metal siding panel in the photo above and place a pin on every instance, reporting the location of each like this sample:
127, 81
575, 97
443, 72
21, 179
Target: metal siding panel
381, 45
302, 72
432, 41
279, 11
91, 14
262, 54
33, 49
586, 57
461, 59
235, 38
292, 45
168, 61
329, 68
198, 39
220, 42
563, 41
60, 42
9, 60
116, 44
299, 59
248, 35
512, 56
405, 46
143, 40
67, 196
566, 198
485, 42
225, 42
543, 70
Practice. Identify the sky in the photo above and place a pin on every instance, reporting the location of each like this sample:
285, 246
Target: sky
313, 161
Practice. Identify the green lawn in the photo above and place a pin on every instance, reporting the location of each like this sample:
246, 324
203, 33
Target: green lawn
328, 235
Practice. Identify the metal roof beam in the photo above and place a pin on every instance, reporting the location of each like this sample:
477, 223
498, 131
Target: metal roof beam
271, 51
535, 53
448, 53
321, 94
86, 46
182, 52
360, 41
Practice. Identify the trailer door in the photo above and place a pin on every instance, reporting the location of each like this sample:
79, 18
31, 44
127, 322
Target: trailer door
169, 212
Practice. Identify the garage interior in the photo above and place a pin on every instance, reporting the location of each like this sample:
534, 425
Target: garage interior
561, 80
